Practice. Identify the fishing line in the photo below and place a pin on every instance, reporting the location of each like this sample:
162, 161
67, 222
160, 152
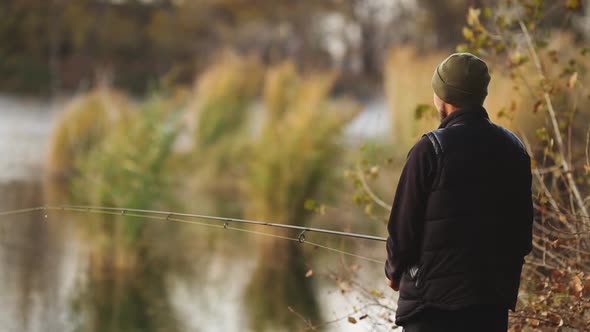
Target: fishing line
173, 216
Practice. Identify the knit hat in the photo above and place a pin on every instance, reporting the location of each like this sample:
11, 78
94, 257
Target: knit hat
461, 80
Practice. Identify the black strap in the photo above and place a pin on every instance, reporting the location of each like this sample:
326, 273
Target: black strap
435, 140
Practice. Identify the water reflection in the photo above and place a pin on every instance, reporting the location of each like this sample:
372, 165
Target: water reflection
279, 296
176, 278
32, 285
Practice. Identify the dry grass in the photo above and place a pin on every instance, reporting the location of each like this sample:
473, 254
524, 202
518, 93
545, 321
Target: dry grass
292, 161
407, 84
299, 143
84, 124
222, 96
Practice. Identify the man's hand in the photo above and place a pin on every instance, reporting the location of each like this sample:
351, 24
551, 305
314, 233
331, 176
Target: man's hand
393, 285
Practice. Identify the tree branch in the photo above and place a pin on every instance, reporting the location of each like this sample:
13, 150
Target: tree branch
369, 192
567, 168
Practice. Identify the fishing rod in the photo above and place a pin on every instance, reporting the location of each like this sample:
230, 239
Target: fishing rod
226, 220
174, 217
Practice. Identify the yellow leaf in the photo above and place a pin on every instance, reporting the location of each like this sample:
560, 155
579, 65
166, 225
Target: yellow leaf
473, 16
468, 34
369, 209
572, 81
377, 293
374, 170
577, 284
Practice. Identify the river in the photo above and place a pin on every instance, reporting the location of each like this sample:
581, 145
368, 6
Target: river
45, 284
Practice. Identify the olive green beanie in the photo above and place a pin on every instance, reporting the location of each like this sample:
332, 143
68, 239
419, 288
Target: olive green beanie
461, 80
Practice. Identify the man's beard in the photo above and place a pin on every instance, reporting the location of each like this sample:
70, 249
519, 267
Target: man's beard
442, 114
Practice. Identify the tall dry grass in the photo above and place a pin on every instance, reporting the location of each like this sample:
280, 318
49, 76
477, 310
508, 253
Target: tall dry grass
110, 152
219, 113
84, 124
222, 96
290, 163
407, 84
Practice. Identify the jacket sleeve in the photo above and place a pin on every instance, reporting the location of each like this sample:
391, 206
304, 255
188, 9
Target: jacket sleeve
406, 221
529, 210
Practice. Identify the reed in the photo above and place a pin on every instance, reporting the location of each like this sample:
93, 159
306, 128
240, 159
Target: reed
117, 155
85, 123
222, 98
291, 162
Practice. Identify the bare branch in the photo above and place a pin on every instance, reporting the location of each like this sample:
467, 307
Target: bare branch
586, 150
567, 168
370, 192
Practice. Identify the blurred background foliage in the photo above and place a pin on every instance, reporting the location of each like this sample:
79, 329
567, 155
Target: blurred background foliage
57, 45
249, 108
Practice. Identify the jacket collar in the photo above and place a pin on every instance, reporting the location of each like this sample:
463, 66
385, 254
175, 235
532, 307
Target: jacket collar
464, 114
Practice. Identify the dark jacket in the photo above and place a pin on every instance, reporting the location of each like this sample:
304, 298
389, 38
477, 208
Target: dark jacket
461, 221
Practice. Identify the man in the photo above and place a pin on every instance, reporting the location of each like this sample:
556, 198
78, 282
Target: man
461, 221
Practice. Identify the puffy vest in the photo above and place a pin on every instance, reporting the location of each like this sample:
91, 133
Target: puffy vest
478, 220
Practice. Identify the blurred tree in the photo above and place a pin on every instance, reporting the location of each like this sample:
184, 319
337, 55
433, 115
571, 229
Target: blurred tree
48, 45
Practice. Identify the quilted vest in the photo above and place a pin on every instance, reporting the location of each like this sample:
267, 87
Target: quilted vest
478, 220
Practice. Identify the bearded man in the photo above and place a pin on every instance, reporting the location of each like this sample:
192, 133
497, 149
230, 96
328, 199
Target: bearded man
461, 222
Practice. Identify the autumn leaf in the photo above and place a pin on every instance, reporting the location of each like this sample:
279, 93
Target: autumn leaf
577, 284
351, 320
377, 293
369, 209
374, 170
309, 273
468, 34
572, 81
473, 16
